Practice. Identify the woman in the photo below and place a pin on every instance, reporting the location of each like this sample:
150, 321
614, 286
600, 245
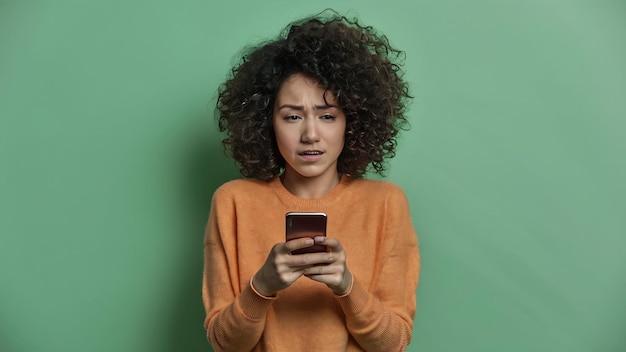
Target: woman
306, 116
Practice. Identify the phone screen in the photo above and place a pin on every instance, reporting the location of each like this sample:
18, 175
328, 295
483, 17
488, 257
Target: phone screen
306, 225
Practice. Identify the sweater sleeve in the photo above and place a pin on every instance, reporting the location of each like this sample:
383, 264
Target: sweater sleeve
380, 318
235, 317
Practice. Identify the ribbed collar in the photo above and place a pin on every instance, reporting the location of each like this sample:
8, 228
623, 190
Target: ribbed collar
290, 199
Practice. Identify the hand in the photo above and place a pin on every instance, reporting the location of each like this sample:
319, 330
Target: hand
281, 268
332, 271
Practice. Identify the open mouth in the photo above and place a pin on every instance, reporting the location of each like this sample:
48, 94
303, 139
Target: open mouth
311, 152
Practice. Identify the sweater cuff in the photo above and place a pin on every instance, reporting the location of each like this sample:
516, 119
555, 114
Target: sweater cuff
252, 304
355, 300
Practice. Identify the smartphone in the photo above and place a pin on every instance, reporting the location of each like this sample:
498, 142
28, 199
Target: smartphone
306, 225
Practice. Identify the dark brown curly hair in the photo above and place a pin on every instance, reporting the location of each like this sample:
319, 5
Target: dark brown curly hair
352, 61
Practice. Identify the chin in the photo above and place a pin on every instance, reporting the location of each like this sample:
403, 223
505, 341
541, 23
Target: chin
309, 174
306, 172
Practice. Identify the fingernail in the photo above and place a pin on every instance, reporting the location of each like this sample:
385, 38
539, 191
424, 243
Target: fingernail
320, 239
309, 242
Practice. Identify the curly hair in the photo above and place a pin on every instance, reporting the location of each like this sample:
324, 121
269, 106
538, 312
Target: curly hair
352, 61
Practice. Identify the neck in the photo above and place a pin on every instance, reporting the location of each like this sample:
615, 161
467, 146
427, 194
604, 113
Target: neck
309, 187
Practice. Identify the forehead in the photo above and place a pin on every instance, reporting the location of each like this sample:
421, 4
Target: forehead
300, 88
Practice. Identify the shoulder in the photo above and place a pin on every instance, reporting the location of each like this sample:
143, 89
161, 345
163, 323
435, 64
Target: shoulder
378, 189
240, 188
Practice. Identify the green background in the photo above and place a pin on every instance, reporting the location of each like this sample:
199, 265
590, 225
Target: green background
514, 167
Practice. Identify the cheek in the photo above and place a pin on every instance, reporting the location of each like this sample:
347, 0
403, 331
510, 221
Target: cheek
341, 135
282, 141
279, 136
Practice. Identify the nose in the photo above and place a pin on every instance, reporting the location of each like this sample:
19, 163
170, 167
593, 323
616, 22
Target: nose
310, 133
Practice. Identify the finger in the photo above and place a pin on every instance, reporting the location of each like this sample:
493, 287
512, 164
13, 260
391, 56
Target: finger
298, 243
319, 270
329, 279
339, 281
306, 260
333, 243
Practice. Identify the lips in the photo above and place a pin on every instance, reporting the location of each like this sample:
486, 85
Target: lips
311, 152
311, 155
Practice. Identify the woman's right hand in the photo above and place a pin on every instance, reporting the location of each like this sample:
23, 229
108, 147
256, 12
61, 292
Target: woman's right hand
281, 268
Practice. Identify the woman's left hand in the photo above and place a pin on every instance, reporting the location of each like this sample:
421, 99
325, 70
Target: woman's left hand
334, 274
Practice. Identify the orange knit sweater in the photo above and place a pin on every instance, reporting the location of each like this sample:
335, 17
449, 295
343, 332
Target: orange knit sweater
371, 220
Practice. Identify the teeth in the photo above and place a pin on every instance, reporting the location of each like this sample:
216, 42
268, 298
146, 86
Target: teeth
312, 153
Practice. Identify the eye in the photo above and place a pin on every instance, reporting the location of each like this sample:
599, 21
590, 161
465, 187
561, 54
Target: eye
327, 117
291, 118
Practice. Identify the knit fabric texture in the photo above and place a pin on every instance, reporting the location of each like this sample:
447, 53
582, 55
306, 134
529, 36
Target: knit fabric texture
370, 218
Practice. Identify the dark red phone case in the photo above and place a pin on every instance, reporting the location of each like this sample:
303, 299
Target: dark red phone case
306, 225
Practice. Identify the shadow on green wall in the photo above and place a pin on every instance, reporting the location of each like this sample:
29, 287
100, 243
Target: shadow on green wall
207, 168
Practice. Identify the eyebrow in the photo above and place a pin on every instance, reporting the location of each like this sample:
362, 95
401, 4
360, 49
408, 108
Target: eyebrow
301, 108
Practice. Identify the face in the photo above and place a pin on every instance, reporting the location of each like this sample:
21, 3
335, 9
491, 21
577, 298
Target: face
309, 129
